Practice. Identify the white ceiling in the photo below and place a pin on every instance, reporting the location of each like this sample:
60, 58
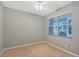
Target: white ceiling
29, 6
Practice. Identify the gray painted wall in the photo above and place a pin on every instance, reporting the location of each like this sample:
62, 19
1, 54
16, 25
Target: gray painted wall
72, 44
22, 28
1, 26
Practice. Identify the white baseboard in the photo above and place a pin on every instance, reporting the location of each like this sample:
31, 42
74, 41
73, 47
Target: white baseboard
19, 46
22, 45
41, 42
63, 49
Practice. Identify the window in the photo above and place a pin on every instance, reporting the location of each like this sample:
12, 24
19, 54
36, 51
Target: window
69, 26
53, 26
61, 25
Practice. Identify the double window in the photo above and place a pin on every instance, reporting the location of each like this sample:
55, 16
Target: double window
61, 25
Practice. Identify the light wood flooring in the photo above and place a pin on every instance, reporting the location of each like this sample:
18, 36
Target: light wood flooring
36, 50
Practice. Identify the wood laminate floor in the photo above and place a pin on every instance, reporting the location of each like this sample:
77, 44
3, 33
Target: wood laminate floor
36, 50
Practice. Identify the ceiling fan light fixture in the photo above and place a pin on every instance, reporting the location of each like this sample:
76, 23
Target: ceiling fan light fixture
39, 5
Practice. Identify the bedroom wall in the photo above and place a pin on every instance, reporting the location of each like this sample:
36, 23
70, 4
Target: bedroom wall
1, 26
22, 28
67, 44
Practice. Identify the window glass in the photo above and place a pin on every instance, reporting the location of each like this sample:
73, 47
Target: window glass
53, 26
61, 25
